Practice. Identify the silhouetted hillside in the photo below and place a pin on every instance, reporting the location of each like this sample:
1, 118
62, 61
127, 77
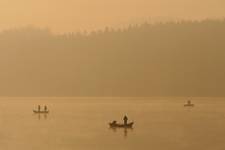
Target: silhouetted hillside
171, 59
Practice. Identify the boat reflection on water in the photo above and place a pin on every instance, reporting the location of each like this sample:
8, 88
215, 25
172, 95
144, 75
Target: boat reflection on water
125, 130
40, 116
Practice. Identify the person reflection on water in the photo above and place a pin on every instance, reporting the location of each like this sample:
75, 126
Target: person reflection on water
125, 119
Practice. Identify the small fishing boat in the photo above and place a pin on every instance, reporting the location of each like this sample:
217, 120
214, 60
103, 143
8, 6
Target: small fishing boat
41, 112
189, 104
118, 125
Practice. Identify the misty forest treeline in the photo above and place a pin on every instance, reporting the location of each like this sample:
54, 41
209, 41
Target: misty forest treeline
167, 59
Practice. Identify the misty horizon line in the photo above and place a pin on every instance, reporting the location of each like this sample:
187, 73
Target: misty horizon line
171, 59
86, 32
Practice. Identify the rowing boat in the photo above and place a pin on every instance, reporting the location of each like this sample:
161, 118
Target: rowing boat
41, 112
118, 125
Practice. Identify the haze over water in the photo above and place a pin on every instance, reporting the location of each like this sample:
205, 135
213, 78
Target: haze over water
106, 51
82, 123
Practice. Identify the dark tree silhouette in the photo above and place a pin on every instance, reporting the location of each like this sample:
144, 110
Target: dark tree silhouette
168, 59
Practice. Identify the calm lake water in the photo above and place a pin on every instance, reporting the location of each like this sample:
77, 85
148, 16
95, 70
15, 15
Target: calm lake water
82, 124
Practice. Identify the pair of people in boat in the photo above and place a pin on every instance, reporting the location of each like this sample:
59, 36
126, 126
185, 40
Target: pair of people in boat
125, 119
45, 108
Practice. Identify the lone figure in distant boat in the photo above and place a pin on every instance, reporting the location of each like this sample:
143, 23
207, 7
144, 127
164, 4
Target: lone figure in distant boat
189, 102
125, 119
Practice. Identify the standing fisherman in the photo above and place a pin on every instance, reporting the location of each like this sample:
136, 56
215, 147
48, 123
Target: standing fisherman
125, 119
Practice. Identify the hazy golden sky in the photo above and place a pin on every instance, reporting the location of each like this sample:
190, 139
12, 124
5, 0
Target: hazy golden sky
72, 15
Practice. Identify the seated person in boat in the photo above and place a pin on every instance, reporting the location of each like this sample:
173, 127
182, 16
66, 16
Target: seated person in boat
45, 108
39, 108
114, 122
189, 102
